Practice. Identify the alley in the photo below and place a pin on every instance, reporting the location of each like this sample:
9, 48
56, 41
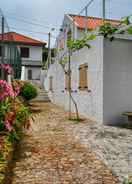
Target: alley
50, 155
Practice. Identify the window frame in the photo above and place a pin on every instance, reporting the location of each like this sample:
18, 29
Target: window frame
83, 77
25, 55
31, 74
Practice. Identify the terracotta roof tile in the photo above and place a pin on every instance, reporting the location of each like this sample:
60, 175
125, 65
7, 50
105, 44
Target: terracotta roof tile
92, 22
16, 37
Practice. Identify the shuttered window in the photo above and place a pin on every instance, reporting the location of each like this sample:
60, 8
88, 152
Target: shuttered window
83, 76
29, 74
67, 82
51, 83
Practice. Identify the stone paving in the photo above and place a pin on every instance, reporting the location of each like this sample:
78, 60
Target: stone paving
113, 145
51, 155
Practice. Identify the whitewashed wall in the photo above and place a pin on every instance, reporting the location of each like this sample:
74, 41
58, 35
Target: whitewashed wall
36, 72
33, 62
35, 53
90, 104
117, 80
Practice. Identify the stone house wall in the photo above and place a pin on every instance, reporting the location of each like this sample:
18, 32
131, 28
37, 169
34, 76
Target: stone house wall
90, 104
109, 81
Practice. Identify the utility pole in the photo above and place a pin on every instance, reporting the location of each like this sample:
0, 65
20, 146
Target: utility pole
2, 40
69, 82
2, 48
103, 7
86, 21
49, 50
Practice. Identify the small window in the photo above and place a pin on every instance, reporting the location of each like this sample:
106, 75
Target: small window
29, 74
51, 83
83, 77
67, 82
0, 50
69, 35
24, 52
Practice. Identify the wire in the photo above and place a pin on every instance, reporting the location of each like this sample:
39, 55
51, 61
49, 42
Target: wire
28, 22
29, 31
31, 21
88, 4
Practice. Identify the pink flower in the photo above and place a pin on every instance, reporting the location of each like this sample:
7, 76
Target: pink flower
7, 68
9, 119
16, 91
6, 90
8, 126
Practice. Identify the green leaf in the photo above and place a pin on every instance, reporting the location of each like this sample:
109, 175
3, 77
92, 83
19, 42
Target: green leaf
130, 30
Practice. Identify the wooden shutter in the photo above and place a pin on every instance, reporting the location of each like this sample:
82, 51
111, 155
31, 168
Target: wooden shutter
51, 83
83, 77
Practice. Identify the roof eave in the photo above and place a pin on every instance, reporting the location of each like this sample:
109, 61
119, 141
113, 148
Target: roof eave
25, 43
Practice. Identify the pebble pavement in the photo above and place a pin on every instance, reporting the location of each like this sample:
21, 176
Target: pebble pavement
50, 154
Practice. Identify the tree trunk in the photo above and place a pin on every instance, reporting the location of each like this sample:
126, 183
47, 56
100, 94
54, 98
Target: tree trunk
76, 107
70, 95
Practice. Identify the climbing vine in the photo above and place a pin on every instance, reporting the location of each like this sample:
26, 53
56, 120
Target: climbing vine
107, 30
77, 44
63, 61
127, 21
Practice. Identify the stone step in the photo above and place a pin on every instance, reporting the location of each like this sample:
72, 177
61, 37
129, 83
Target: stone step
42, 96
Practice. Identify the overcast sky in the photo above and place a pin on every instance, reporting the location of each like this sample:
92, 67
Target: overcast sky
50, 13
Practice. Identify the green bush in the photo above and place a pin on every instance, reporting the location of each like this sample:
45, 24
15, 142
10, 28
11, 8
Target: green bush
28, 91
128, 182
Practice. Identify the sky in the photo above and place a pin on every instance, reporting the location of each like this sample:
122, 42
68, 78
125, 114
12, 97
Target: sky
48, 14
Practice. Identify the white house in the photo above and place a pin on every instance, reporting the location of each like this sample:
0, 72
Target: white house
24, 54
101, 76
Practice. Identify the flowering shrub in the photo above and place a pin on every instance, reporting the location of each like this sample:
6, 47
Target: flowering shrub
7, 68
9, 119
13, 114
12, 110
6, 90
17, 86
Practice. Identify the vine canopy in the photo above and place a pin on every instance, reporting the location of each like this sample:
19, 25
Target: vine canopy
74, 45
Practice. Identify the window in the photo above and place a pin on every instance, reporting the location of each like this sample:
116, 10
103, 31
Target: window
69, 35
51, 83
0, 50
29, 74
24, 52
67, 82
83, 77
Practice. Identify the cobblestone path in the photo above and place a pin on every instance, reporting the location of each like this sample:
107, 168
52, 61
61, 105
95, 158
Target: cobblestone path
50, 155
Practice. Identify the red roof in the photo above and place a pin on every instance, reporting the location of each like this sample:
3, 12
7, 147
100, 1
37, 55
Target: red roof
19, 38
92, 22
